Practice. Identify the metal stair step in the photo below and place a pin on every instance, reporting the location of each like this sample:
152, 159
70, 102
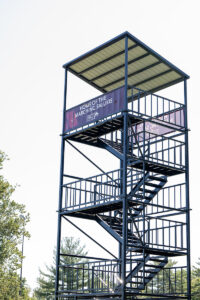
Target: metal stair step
138, 282
139, 259
147, 191
136, 213
141, 287
139, 276
145, 270
137, 208
157, 178
141, 197
151, 270
153, 266
157, 259
115, 226
114, 219
132, 241
153, 184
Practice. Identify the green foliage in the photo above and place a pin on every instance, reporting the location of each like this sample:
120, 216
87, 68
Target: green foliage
160, 283
12, 225
180, 277
46, 280
10, 287
196, 281
12, 229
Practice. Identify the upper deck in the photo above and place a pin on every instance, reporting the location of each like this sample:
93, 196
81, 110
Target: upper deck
104, 113
156, 128
105, 69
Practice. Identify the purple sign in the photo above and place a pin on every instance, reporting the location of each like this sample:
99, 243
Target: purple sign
174, 119
94, 109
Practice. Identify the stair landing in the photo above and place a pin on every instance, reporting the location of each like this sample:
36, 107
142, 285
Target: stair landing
156, 167
157, 251
99, 208
90, 134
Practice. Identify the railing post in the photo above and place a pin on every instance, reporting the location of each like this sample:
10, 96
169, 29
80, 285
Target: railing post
148, 223
144, 139
148, 149
95, 193
144, 240
93, 279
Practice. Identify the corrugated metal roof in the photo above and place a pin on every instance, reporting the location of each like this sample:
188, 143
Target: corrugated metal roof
104, 68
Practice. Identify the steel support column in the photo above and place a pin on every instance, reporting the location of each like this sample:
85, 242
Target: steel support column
124, 181
187, 194
60, 191
143, 216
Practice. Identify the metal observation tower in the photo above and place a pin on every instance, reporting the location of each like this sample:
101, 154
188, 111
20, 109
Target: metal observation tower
144, 204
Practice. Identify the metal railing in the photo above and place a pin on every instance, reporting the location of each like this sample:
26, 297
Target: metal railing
168, 199
169, 281
152, 106
97, 190
160, 234
164, 148
106, 188
104, 276
156, 148
90, 277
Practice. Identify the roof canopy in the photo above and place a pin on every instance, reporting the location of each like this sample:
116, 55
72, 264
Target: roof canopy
104, 66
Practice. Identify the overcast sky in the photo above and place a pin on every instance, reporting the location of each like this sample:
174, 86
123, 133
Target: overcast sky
36, 38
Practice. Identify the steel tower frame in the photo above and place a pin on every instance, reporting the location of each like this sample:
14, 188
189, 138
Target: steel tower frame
134, 203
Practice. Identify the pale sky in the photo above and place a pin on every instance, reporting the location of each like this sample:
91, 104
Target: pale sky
36, 39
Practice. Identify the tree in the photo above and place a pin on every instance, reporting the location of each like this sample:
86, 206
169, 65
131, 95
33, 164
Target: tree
196, 281
178, 281
46, 280
12, 229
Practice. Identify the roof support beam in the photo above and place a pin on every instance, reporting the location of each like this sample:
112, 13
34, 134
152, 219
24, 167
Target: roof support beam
146, 93
153, 77
164, 86
121, 66
105, 60
132, 74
